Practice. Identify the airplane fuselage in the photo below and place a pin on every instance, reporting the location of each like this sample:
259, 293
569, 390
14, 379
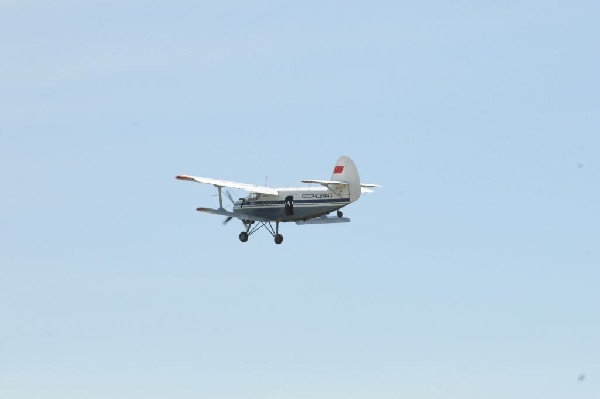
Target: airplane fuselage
293, 203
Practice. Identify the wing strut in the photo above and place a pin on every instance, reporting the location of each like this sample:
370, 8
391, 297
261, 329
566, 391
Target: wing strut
220, 196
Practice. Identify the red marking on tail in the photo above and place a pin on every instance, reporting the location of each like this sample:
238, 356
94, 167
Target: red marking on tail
338, 169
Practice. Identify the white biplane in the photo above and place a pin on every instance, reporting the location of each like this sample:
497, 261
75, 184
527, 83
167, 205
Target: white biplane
304, 205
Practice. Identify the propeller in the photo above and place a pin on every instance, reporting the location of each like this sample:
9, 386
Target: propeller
230, 198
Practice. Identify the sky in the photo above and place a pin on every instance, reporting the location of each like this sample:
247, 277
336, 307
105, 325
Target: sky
472, 273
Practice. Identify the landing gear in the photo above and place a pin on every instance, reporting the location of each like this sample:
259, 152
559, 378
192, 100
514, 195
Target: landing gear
245, 234
339, 214
251, 230
278, 239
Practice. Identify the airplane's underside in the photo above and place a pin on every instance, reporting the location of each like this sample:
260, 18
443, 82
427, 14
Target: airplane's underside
301, 211
283, 211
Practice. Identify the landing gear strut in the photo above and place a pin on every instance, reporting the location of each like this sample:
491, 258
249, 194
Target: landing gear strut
251, 230
278, 237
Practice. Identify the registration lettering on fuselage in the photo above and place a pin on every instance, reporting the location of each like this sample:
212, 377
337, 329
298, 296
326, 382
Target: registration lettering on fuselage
317, 196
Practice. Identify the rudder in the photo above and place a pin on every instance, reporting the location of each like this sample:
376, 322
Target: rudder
346, 172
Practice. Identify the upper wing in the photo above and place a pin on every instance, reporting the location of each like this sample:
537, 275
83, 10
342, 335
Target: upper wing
224, 183
323, 182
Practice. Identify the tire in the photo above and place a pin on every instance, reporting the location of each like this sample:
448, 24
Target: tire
278, 239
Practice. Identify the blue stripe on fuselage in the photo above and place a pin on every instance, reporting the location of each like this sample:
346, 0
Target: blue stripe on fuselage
310, 201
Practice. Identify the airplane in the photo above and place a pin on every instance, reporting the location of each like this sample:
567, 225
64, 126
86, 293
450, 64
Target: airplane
303, 205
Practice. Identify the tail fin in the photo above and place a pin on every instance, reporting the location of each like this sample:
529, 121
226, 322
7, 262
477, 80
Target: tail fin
346, 172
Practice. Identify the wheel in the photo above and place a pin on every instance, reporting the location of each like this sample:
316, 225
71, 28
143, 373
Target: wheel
243, 236
339, 214
278, 239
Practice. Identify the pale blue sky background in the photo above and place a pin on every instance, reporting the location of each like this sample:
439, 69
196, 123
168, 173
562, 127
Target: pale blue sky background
474, 273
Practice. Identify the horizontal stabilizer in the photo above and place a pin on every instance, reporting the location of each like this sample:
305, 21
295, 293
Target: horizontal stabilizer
324, 220
252, 188
366, 187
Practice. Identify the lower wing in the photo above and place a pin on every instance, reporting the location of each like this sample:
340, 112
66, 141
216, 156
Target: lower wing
323, 220
223, 212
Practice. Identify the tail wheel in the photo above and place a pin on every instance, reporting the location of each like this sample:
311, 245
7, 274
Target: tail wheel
278, 239
243, 236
